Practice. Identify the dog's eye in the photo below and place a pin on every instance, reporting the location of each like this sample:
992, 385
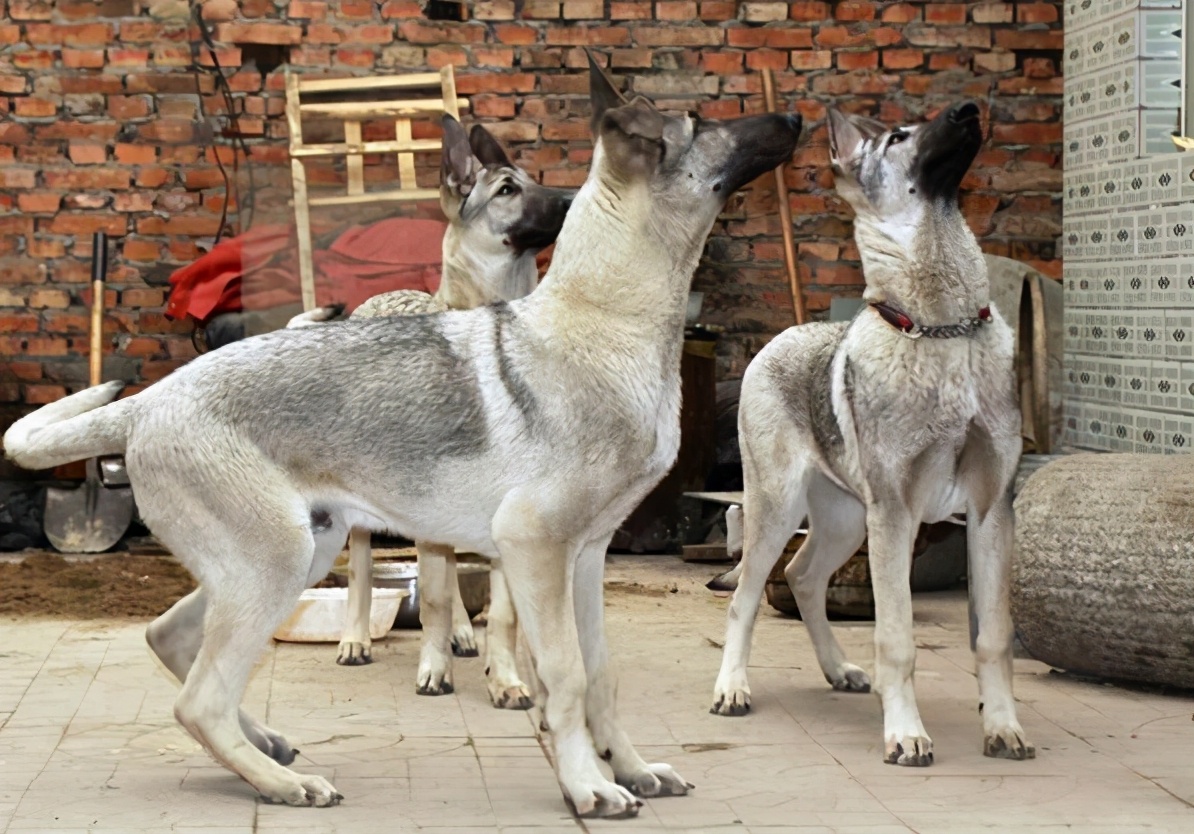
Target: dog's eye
507, 189
896, 138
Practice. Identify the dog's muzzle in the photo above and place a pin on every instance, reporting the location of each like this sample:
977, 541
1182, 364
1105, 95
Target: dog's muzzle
903, 322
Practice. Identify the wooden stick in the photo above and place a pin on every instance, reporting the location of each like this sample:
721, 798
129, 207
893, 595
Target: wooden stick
785, 215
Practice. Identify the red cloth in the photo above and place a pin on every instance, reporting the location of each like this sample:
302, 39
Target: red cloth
259, 269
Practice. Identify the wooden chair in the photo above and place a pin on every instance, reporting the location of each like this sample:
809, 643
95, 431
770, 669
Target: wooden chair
352, 112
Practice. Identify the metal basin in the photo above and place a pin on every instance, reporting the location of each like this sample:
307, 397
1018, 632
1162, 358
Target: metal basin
404, 575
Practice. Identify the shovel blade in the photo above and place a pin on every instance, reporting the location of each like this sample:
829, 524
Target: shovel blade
88, 519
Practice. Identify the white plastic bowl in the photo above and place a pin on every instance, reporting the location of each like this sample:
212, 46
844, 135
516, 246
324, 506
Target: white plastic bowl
320, 615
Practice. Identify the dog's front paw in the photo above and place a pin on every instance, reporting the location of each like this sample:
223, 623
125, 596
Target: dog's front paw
909, 751
354, 653
602, 799
656, 780
849, 678
1008, 743
731, 699
304, 791
434, 681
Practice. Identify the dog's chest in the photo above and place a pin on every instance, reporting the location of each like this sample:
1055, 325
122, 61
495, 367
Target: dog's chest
909, 394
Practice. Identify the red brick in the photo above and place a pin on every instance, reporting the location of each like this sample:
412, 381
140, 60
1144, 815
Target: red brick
1036, 13
902, 58
770, 37
44, 394
673, 10
581, 35
812, 60
757, 59
266, 33
808, 11
83, 58
678, 36
307, 10
84, 154
632, 10
87, 223
948, 13
35, 108
714, 11
900, 13
993, 13
39, 202
854, 10
850, 61
80, 34
722, 62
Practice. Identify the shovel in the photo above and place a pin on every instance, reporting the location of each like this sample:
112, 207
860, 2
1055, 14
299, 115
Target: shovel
92, 517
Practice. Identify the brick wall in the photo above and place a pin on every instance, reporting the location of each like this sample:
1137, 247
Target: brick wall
101, 128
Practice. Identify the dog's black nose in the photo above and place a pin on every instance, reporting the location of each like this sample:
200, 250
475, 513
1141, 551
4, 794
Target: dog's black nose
796, 121
964, 112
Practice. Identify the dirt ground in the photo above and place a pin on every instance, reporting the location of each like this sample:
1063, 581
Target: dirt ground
112, 585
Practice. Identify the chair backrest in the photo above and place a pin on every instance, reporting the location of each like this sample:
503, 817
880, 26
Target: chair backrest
321, 94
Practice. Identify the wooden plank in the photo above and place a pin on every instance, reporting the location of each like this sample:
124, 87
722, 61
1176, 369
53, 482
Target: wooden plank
452, 104
364, 110
381, 146
401, 195
406, 161
385, 82
709, 553
294, 120
302, 218
356, 162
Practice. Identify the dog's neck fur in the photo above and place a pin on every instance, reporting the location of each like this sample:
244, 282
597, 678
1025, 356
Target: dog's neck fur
469, 279
929, 266
617, 258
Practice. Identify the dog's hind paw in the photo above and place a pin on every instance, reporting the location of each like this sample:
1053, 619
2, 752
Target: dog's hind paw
909, 751
607, 800
514, 696
731, 701
352, 653
657, 780
727, 581
305, 791
850, 678
1008, 744
464, 642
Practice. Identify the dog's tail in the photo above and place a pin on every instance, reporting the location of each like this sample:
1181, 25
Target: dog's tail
316, 316
71, 429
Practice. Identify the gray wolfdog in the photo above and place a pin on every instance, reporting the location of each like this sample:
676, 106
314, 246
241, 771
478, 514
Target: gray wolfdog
905, 415
499, 219
525, 431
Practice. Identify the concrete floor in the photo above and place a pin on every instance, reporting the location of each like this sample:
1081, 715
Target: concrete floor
88, 741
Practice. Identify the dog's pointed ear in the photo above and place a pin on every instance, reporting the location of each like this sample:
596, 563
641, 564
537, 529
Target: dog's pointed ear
632, 137
848, 133
486, 148
603, 95
459, 169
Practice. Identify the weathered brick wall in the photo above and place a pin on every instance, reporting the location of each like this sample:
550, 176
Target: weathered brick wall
102, 129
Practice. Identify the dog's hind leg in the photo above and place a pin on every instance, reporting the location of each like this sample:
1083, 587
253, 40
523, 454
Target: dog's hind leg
506, 689
989, 541
356, 647
630, 770
437, 579
773, 506
464, 639
891, 531
539, 566
837, 528
254, 560
175, 637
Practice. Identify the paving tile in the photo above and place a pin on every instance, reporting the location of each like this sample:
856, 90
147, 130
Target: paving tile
88, 741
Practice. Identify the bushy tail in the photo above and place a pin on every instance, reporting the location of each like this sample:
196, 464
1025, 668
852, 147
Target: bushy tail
316, 316
70, 429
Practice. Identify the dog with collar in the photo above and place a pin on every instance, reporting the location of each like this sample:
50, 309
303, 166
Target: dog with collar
905, 415
525, 431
